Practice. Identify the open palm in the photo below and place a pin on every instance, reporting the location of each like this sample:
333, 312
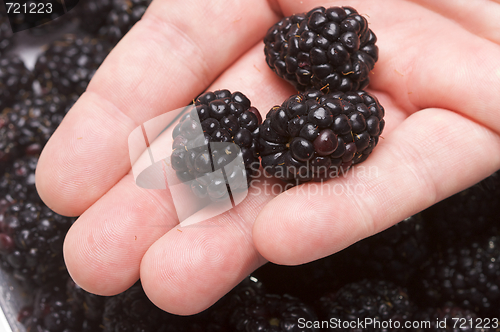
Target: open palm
438, 78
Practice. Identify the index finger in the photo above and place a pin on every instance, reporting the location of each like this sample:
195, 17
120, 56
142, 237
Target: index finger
168, 58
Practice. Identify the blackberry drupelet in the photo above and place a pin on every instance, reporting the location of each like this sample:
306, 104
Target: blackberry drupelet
15, 80
467, 274
6, 35
271, 313
31, 242
448, 318
378, 300
461, 217
313, 136
68, 65
122, 17
394, 254
203, 143
327, 49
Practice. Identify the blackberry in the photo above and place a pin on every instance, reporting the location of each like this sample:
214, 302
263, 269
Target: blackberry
30, 122
15, 80
461, 217
272, 313
377, 300
467, 274
448, 318
6, 35
93, 14
68, 65
203, 146
17, 183
327, 49
394, 254
31, 241
313, 136
122, 17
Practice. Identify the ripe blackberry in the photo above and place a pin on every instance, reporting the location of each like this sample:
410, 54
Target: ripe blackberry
271, 313
68, 65
313, 135
31, 241
122, 17
17, 183
448, 318
6, 35
203, 143
377, 300
93, 14
327, 49
467, 274
466, 214
28, 124
394, 254
15, 80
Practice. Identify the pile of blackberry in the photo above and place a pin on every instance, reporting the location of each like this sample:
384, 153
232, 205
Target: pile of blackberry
314, 136
327, 49
220, 127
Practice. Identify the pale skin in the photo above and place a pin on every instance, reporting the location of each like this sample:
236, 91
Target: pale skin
438, 77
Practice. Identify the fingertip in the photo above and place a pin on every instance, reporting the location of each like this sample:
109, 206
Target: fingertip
295, 229
89, 271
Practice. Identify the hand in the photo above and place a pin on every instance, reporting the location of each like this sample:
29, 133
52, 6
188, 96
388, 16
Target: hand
438, 77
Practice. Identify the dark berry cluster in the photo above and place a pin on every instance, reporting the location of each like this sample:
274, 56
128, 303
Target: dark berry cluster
220, 127
31, 238
28, 124
395, 254
68, 65
467, 274
327, 49
313, 135
15, 80
122, 17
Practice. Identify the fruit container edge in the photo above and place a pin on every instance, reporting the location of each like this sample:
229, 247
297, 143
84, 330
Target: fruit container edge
11, 301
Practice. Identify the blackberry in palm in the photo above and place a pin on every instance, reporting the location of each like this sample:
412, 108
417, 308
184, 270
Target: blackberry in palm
207, 140
316, 136
327, 48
